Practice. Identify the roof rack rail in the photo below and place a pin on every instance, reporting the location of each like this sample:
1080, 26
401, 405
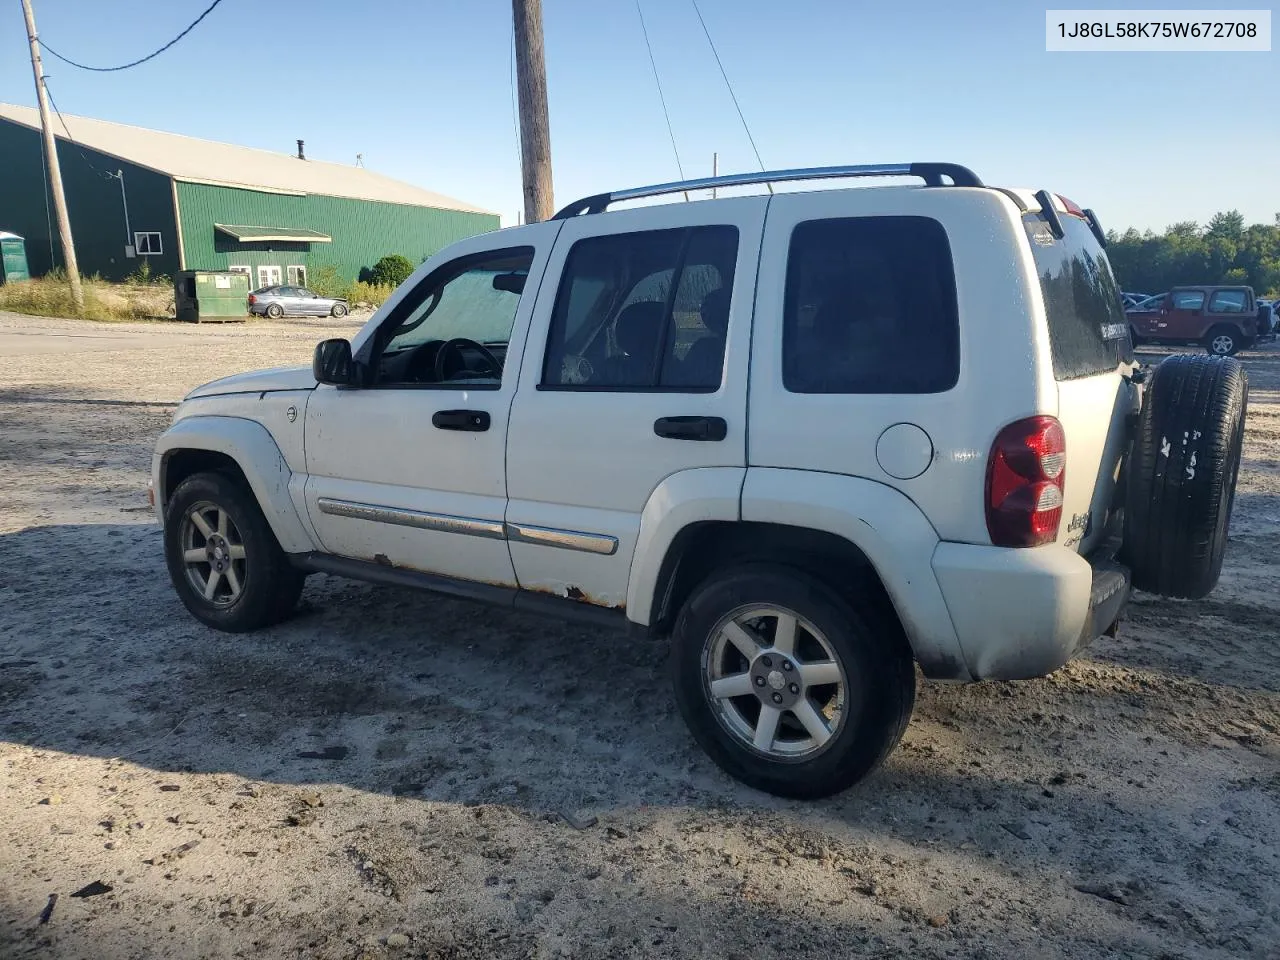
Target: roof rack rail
930, 173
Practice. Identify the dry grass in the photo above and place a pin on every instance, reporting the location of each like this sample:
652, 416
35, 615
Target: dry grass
50, 296
360, 294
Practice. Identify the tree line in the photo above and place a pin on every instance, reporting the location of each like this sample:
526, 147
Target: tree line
1225, 251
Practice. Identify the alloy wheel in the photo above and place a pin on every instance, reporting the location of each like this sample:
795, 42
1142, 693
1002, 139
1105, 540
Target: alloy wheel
213, 553
774, 682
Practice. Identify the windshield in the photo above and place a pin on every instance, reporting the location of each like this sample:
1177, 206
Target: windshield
1088, 333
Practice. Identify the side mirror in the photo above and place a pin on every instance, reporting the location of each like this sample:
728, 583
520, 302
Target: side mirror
510, 282
332, 363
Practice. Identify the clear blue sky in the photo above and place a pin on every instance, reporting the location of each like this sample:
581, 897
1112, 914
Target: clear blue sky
422, 88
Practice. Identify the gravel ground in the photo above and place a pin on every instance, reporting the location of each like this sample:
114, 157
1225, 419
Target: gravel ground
393, 774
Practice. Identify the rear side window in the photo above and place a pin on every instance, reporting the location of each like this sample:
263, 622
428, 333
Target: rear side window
1229, 301
643, 311
870, 307
1088, 333
1188, 300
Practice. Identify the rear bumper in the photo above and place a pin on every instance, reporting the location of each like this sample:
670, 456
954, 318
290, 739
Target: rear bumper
1024, 613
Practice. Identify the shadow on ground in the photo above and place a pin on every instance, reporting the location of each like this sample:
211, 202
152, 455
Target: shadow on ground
420, 700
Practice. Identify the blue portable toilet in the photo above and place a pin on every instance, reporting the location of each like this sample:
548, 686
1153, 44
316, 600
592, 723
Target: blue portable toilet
13, 258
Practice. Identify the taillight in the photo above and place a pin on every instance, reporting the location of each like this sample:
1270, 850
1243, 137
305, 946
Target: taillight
1025, 475
252, 299
1073, 209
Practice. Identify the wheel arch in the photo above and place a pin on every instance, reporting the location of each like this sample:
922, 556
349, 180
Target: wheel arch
242, 449
859, 537
703, 547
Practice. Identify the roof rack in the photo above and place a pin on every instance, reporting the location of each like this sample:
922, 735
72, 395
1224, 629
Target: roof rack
930, 173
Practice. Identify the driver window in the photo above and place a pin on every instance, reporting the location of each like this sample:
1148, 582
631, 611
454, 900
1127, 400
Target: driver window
453, 328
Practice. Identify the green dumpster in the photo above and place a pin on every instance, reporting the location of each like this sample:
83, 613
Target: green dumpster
204, 296
13, 258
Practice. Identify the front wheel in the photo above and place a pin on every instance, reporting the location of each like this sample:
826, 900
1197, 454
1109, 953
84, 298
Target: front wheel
223, 559
339, 310
786, 685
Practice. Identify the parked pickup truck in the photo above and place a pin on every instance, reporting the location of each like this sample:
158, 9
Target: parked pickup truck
1222, 319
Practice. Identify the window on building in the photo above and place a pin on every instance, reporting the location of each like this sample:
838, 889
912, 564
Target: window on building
297, 275
269, 277
147, 243
643, 311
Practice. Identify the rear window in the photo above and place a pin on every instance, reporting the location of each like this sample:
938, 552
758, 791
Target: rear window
1088, 333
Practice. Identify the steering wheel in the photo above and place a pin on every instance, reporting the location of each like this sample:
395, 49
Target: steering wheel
454, 348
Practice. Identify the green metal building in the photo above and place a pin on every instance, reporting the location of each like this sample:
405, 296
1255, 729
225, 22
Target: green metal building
186, 204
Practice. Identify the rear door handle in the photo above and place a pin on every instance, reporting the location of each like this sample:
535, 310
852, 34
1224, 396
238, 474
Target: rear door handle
475, 421
691, 428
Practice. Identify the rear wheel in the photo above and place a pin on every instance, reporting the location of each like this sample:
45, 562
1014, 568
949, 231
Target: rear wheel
275, 311
223, 559
339, 310
1182, 474
786, 685
1224, 341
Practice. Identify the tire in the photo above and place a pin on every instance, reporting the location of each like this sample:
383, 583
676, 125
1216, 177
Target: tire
1181, 478
862, 646
275, 311
1224, 341
339, 310
268, 584
1136, 340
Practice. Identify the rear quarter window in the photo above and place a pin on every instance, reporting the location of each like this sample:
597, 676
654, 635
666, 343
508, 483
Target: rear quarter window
1229, 301
1088, 333
870, 308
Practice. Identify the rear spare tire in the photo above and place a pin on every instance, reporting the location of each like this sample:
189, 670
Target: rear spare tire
1182, 474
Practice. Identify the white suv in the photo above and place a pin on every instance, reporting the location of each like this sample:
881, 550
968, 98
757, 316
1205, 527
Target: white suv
816, 438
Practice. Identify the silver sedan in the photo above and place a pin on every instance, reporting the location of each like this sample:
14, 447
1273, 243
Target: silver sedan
278, 301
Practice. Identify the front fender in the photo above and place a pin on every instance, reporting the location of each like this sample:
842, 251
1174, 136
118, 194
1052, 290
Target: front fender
890, 531
251, 446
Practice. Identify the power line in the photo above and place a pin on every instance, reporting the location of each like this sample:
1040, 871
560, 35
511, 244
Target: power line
663, 100
150, 56
84, 156
48, 217
733, 95
515, 110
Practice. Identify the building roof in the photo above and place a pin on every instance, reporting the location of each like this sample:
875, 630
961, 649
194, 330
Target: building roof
225, 164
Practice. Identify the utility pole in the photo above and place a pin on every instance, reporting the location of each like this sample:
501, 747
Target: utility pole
55, 171
535, 131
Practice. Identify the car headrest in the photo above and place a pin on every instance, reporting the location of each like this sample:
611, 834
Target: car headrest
636, 329
715, 310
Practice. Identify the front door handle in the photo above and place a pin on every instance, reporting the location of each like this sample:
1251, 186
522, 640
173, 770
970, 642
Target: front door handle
691, 428
475, 421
